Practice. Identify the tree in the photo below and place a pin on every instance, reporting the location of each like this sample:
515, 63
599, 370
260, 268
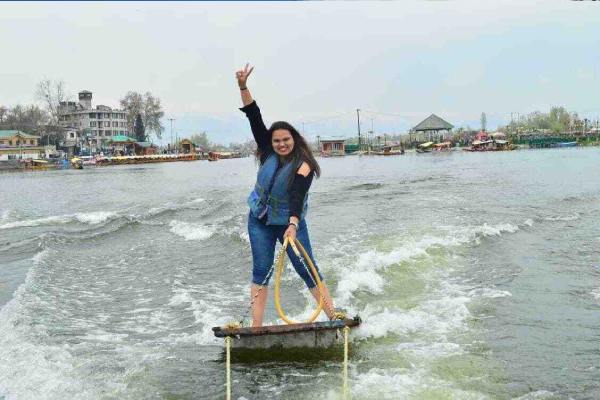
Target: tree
3, 111
139, 129
148, 107
51, 93
28, 119
483, 121
201, 139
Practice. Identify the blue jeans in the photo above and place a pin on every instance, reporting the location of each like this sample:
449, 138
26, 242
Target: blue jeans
262, 241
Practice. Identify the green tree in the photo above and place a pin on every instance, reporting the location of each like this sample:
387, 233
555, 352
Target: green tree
139, 129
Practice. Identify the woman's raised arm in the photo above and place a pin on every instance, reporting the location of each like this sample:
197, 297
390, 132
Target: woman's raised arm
259, 130
242, 78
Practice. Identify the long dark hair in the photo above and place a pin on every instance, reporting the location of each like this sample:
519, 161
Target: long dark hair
301, 151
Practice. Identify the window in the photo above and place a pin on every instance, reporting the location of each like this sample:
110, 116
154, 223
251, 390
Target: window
93, 123
106, 115
92, 115
106, 124
31, 141
115, 124
73, 135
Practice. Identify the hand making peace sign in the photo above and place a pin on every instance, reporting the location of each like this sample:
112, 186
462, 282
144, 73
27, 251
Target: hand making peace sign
242, 75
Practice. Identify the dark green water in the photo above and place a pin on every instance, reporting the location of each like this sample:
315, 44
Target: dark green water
477, 277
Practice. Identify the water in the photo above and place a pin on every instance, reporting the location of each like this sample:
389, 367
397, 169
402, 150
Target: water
477, 277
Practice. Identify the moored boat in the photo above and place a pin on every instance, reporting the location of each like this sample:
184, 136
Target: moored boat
424, 147
567, 144
389, 151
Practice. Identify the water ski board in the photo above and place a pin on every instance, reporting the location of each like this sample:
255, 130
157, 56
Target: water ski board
311, 335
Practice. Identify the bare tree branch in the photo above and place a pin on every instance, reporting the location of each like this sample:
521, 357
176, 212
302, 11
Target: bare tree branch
51, 93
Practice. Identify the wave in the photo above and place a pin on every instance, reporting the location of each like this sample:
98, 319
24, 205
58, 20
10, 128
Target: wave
216, 310
366, 186
434, 318
99, 217
5, 215
30, 369
568, 217
92, 218
228, 226
489, 293
537, 395
174, 207
402, 383
362, 274
582, 198
190, 231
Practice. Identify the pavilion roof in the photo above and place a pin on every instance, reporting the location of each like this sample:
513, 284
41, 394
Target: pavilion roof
433, 123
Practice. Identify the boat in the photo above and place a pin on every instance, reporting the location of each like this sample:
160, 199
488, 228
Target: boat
444, 146
490, 145
567, 144
88, 160
424, 147
389, 151
76, 163
35, 165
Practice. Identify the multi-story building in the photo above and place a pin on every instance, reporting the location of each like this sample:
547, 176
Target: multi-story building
96, 126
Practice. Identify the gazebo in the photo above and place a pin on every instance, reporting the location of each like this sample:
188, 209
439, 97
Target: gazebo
434, 128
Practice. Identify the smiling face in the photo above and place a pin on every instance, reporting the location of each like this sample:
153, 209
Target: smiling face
282, 142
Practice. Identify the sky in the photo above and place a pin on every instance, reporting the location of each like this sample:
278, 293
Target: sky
315, 62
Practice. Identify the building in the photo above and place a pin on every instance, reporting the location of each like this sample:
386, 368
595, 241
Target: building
433, 128
124, 145
92, 127
121, 144
19, 145
186, 146
145, 148
332, 147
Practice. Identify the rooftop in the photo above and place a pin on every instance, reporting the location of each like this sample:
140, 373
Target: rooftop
122, 139
11, 133
433, 123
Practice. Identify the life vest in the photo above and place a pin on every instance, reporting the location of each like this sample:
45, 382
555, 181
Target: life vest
270, 196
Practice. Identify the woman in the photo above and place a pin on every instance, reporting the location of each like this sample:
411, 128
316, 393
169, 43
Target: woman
279, 200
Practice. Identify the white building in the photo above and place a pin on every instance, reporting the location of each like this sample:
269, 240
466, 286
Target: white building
99, 124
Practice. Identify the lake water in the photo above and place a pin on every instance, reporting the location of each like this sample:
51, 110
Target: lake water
477, 277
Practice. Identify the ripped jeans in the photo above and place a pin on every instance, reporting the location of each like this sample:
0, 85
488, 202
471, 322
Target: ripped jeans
262, 241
